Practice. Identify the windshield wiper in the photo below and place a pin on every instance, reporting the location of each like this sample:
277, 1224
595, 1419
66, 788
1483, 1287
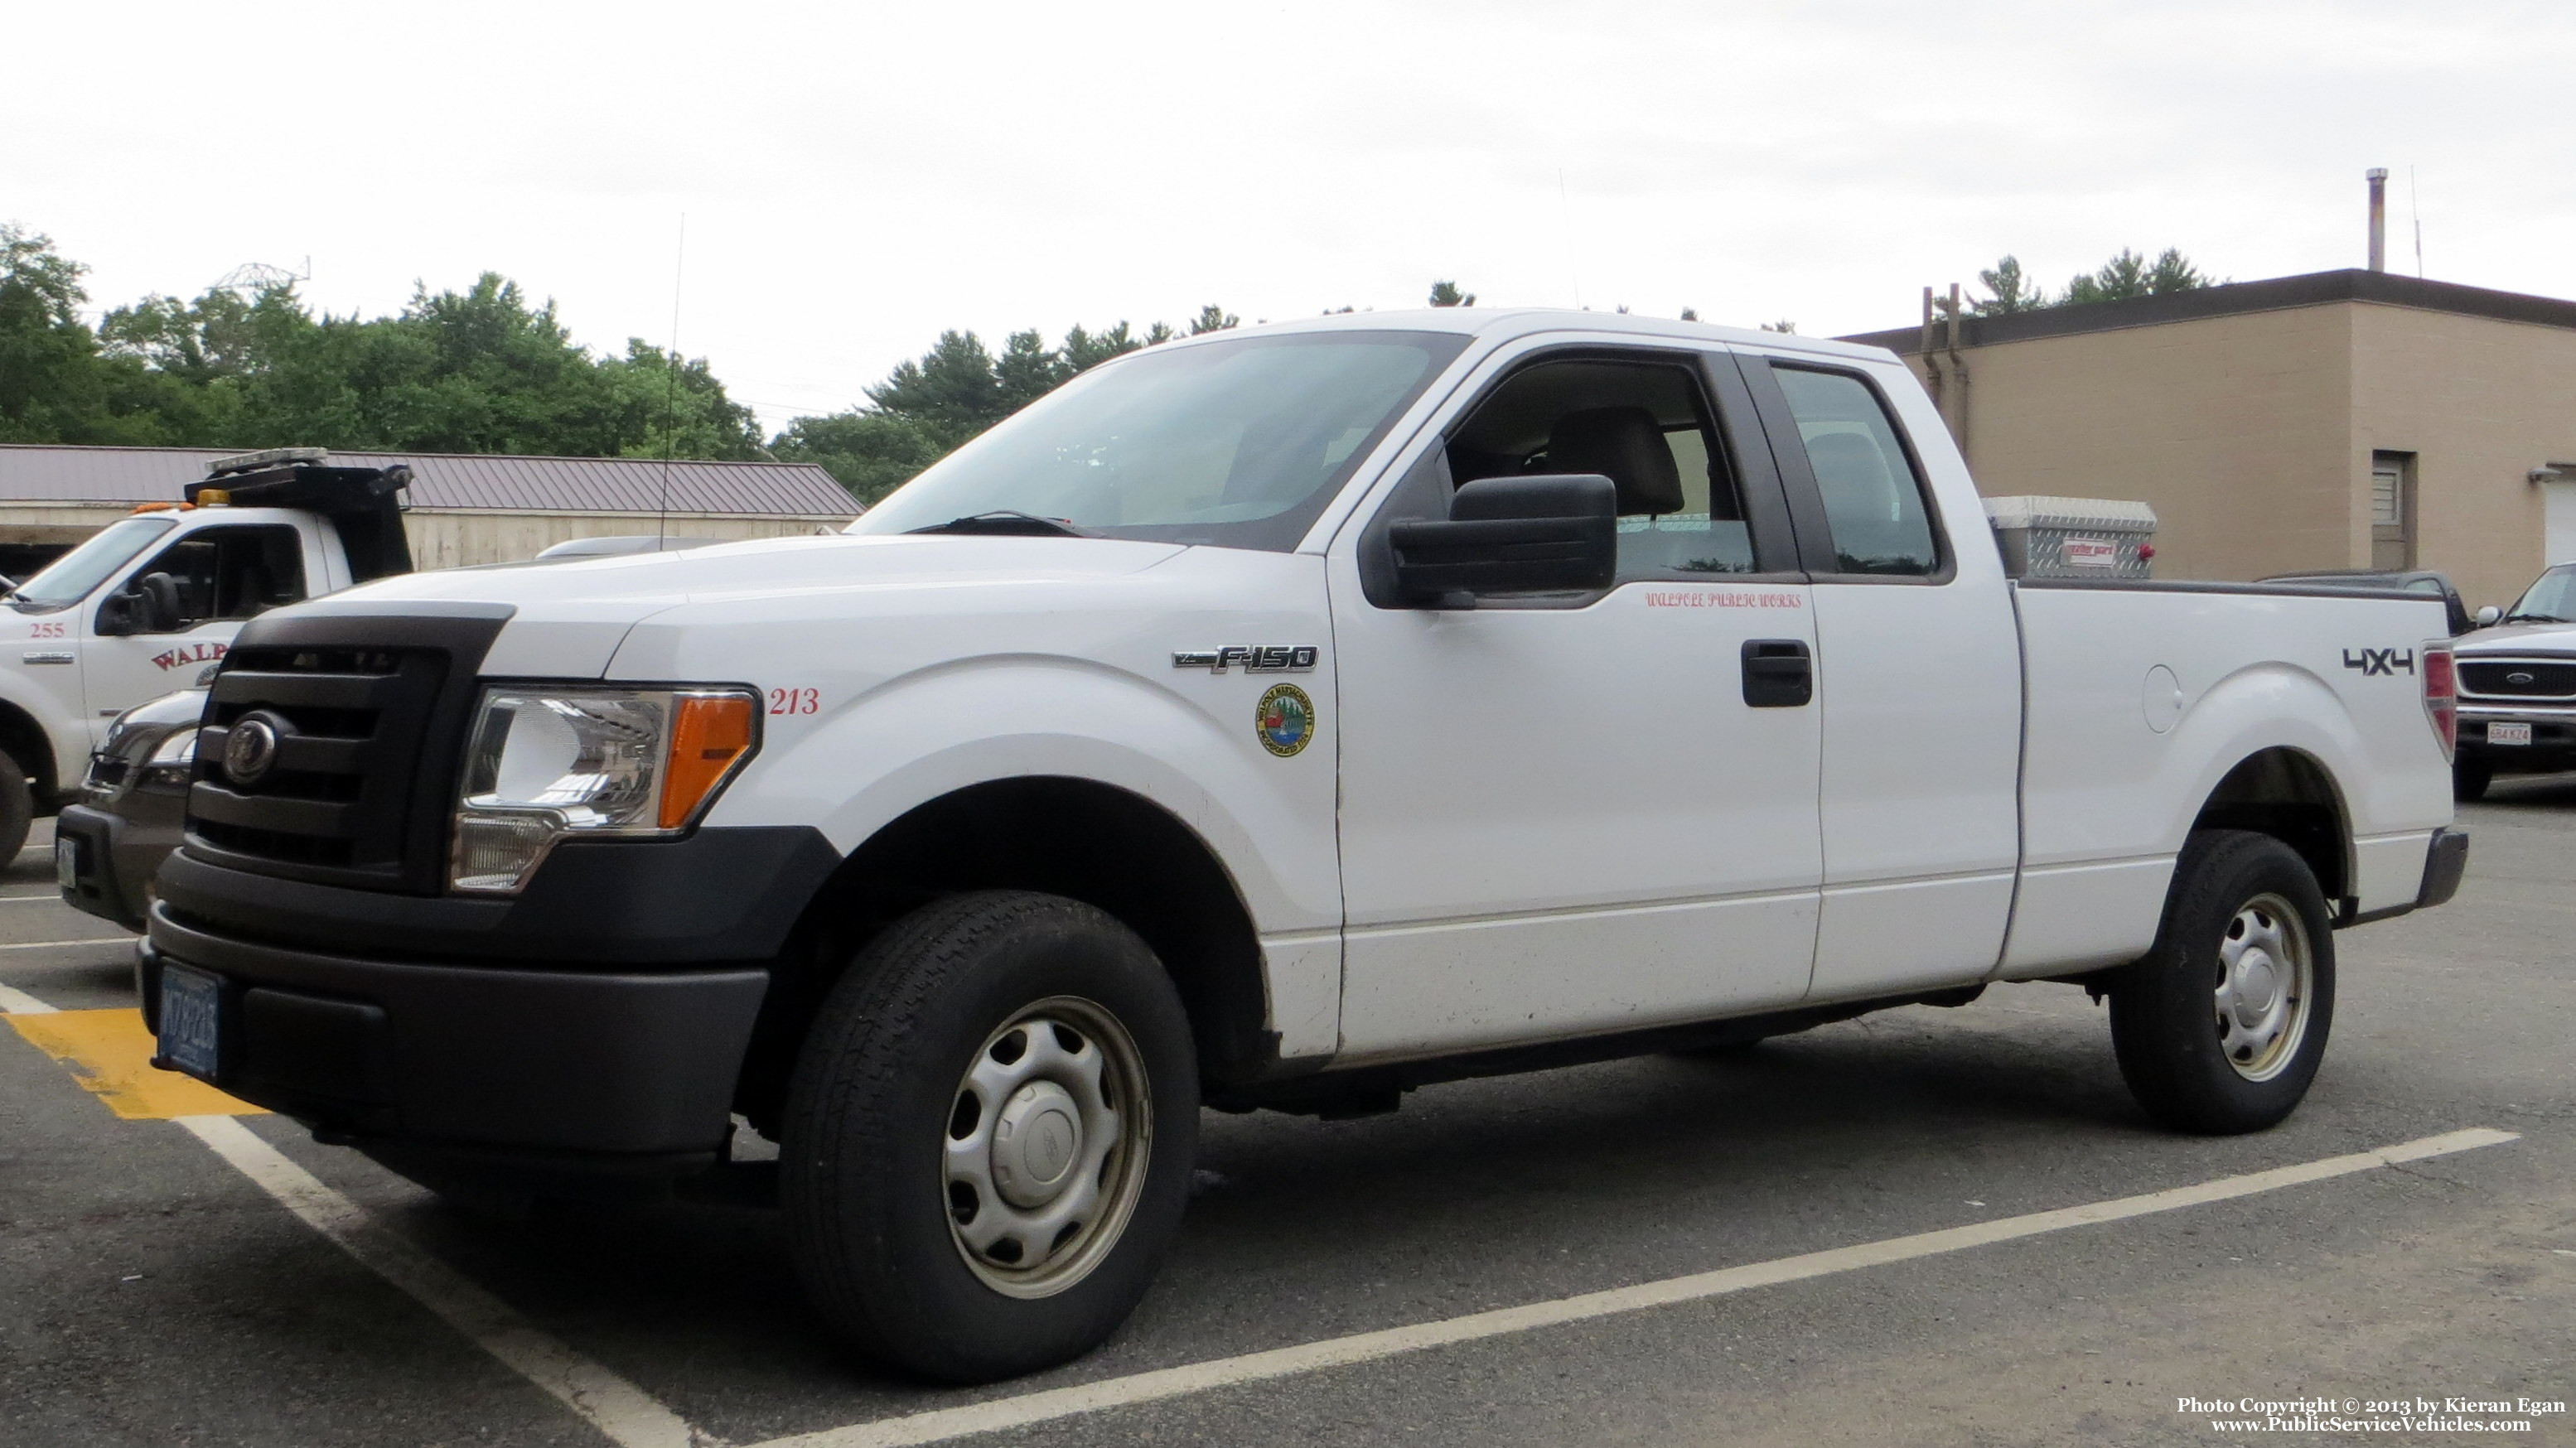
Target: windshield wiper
1008, 522
2536, 618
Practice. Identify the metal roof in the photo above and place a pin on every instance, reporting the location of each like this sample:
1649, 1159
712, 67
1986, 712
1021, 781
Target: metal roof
47, 473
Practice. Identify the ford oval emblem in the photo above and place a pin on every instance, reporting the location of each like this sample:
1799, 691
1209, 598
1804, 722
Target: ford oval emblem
2521, 678
250, 750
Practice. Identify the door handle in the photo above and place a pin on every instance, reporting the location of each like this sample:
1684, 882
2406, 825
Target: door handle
1778, 674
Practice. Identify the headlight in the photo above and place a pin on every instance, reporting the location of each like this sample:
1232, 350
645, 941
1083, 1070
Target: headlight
172, 761
550, 763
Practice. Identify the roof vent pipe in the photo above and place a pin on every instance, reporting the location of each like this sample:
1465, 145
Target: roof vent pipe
2378, 217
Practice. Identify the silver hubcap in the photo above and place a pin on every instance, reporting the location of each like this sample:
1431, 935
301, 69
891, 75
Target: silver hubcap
2264, 980
1046, 1147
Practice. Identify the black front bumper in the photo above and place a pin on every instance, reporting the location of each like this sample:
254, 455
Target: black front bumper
115, 852
587, 1063
506, 1041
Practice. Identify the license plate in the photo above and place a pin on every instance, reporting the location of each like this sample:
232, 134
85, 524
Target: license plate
191, 1023
67, 864
2502, 732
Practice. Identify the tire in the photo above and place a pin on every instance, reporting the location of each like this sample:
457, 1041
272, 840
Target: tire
17, 809
2470, 776
2220, 1027
977, 1064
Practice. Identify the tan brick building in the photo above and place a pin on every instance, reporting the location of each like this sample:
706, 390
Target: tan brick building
2343, 419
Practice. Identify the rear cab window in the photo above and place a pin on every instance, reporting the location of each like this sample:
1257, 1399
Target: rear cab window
1873, 498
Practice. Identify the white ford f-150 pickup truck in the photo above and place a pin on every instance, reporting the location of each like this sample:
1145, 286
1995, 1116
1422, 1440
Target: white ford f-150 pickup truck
1283, 718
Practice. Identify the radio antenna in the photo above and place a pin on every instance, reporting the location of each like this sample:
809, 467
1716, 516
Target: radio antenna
671, 391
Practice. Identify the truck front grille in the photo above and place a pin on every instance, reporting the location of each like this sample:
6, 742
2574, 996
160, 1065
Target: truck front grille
2518, 678
367, 731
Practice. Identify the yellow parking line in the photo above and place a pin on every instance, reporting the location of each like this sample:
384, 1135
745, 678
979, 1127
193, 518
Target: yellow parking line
110, 1055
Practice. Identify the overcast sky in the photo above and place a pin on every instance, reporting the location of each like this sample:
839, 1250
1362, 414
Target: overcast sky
857, 177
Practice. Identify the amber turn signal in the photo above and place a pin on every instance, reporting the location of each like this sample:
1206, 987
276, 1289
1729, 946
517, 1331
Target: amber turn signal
708, 734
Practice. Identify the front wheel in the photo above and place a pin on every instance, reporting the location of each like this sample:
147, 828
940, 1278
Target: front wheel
2220, 1028
2470, 777
989, 1136
17, 808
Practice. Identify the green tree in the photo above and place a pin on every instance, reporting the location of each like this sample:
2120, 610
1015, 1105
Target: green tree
2013, 290
870, 453
51, 386
1085, 350
929, 406
1446, 294
1027, 370
657, 411
2128, 276
952, 390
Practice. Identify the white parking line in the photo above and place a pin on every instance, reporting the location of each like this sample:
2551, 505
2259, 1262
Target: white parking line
633, 1418
19, 1003
58, 944
618, 1408
1030, 1408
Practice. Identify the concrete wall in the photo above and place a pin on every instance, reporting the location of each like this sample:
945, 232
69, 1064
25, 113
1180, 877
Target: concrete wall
2236, 429
2480, 403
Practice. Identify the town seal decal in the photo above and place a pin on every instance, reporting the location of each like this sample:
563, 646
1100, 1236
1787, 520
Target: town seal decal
1285, 721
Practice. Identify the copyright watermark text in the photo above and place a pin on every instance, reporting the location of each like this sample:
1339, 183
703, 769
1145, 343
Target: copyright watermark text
2371, 1415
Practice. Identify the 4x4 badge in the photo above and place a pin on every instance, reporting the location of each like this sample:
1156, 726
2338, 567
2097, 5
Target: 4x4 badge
1252, 658
2380, 661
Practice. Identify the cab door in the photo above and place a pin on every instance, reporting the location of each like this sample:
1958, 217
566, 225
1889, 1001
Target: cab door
1918, 670
217, 576
1574, 815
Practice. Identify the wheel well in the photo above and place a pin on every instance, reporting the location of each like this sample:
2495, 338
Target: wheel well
1073, 837
25, 741
2288, 795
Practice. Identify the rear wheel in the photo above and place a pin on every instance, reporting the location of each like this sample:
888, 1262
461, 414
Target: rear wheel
989, 1136
17, 808
2470, 777
2221, 1027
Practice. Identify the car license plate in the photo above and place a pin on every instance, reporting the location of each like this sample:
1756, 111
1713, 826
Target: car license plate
67, 864
2504, 732
191, 1021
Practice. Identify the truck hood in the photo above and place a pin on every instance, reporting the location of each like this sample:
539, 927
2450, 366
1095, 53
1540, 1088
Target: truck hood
568, 617
2518, 638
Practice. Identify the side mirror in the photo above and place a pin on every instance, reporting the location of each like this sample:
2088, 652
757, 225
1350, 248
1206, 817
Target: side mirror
160, 602
1545, 533
149, 605
2489, 616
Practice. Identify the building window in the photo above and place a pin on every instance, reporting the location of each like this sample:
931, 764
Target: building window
2392, 510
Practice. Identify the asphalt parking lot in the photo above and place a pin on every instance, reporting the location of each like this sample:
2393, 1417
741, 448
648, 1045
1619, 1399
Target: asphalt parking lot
171, 1274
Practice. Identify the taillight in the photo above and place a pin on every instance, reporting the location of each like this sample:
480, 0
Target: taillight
2442, 695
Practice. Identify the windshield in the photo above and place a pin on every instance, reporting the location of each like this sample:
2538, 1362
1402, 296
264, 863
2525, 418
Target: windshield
2551, 598
69, 578
1238, 443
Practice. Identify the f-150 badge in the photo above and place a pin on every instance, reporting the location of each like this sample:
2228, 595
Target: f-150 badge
1252, 658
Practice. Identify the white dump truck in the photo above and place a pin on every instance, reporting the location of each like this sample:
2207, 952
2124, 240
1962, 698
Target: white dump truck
147, 603
1283, 718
